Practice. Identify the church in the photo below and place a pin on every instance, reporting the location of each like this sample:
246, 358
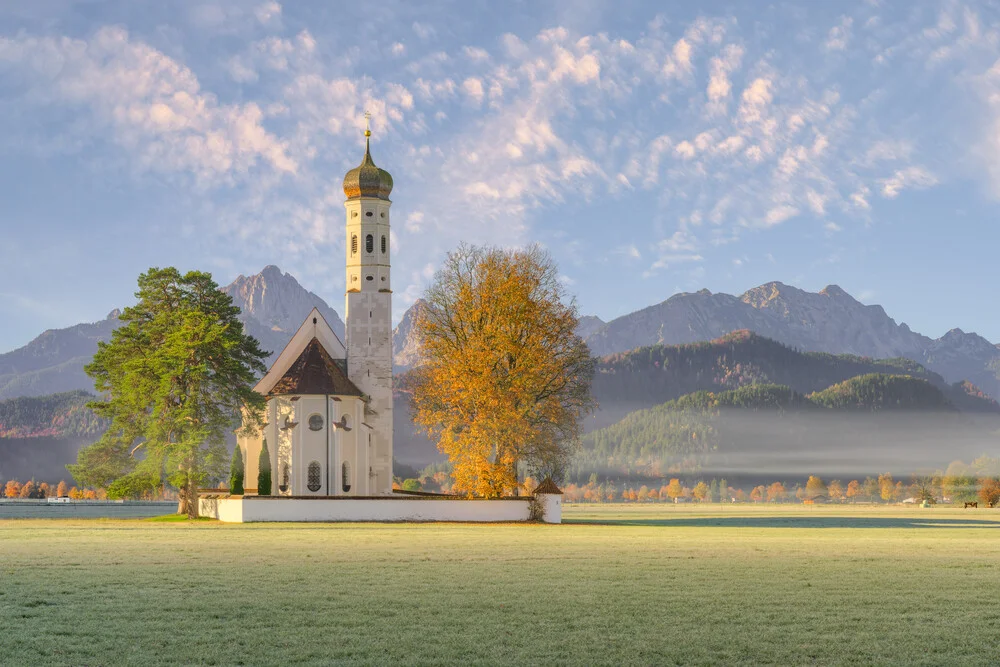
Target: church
328, 423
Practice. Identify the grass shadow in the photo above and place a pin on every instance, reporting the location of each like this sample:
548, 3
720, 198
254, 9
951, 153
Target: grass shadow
795, 522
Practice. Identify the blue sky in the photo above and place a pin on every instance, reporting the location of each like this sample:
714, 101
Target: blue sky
652, 147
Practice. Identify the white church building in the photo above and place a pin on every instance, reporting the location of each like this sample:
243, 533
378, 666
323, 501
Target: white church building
329, 404
328, 421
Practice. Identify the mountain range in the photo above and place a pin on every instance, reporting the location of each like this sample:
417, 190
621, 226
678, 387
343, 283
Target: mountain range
274, 304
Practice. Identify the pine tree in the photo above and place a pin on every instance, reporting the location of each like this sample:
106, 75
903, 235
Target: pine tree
236, 473
172, 379
264, 476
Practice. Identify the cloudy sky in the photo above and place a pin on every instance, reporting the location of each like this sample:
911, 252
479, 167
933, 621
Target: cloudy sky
652, 147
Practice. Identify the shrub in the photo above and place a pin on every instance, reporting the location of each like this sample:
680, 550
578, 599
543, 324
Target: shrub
236, 473
411, 485
264, 476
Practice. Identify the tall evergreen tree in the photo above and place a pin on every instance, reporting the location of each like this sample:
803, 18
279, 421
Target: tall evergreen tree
175, 378
236, 472
264, 471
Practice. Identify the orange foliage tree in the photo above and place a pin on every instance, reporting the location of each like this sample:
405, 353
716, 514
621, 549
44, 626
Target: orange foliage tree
835, 489
989, 491
504, 379
887, 488
815, 487
13, 489
853, 489
776, 492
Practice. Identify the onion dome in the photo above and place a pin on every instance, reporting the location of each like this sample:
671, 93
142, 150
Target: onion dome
367, 180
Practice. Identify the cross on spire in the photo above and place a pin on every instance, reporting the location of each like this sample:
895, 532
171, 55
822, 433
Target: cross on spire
368, 118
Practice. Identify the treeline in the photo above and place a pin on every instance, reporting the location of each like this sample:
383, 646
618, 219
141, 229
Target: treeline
41, 490
958, 485
64, 415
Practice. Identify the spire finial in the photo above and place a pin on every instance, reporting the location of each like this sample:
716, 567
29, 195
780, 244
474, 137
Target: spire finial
368, 118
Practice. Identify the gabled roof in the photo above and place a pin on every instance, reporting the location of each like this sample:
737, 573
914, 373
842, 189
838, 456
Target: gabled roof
547, 486
313, 328
315, 372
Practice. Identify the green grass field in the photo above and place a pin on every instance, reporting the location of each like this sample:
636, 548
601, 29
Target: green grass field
654, 584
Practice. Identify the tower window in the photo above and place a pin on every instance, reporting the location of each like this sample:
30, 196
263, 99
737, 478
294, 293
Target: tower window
285, 475
368, 214
345, 476
313, 477
370, 243
369, 278
383, 244
354, 244
382, 214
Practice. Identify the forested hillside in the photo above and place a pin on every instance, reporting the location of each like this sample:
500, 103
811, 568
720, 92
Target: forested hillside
62, 415
649, 376
867, 424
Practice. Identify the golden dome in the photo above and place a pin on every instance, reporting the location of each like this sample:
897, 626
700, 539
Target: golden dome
367, 180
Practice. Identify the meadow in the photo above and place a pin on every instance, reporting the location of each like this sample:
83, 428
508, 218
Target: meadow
616, 584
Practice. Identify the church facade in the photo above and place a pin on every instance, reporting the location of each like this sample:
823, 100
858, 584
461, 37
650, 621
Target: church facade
328, 421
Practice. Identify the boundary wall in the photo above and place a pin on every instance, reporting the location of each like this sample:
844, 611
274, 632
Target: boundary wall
251, 509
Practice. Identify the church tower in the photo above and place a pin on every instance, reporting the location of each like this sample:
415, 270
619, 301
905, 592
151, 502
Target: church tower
368, 310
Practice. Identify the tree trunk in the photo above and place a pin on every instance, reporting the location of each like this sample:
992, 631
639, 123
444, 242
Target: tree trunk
191, 491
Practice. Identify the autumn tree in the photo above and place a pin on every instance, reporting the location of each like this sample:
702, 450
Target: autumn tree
504, 379
835, 489
174, 379
674, 489
700, 491
815, 487
757, 494
776, 492
989, 491
12, 489
887, 488
62, 489
853, 489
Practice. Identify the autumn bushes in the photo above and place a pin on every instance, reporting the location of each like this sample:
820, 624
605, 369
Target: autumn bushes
40, 490
947, 488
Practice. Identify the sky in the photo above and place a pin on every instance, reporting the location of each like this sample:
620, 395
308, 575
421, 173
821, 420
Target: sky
652, 147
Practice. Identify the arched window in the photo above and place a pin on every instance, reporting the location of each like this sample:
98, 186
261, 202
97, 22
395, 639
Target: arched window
345, 477
284, 478
383, 244
312, 479
354, 244
370, 243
